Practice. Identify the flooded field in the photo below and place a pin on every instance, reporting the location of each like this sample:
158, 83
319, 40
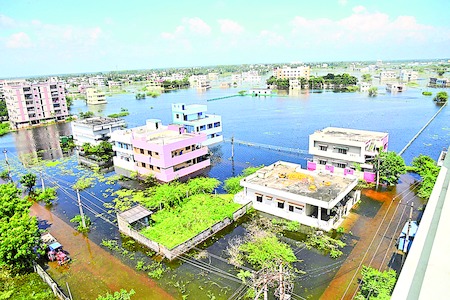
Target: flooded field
204, 273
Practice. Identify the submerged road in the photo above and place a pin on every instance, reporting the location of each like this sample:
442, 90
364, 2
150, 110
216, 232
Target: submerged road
93, 271
373, 238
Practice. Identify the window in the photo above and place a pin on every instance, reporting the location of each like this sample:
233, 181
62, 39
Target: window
259, 198
281, 205
291, 208
217, 124
323, 148
210, 126
143, 165
156, 153
188, 148
149, 152
177, 116
342, 151
322, 162
340, 165
142, 151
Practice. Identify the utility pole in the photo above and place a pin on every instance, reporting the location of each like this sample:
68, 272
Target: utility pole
81, 209
5, 152
232, 147
378, 172
42, 182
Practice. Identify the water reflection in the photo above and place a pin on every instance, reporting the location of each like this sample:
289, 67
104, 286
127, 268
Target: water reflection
40, 142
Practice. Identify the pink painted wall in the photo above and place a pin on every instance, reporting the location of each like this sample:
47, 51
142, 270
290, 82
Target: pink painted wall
19, 102
329, 168
348, 171
311, 166
369, 176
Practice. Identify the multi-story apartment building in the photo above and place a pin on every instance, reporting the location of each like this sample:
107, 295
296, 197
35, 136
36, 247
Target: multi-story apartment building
93, 96
346, 151
32, 104
286, 190
95, 130
166, 152
251, 76
388, 75
11, 82
97, 80
292, 73
195, 120
408, 75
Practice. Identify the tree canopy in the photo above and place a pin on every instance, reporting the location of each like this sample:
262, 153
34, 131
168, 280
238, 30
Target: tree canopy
19, 232
390, 168
376, 284
28, 180
426, 167
441, 97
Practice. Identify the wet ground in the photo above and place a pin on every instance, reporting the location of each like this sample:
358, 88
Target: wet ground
93, 271
374, 226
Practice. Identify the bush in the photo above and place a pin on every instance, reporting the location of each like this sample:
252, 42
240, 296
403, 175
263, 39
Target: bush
425, 93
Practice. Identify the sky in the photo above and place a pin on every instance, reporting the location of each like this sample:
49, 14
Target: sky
42, 37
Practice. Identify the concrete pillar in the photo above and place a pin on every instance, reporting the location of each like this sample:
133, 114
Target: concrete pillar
319, 213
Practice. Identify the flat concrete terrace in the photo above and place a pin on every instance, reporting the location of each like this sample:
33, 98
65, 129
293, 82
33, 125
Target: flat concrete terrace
350, 134
165, 137
291, 178
99, 121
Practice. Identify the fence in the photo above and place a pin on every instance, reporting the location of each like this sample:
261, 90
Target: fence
171, 254
51, 283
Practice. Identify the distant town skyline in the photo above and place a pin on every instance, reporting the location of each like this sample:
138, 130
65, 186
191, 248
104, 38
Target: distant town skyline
46, 37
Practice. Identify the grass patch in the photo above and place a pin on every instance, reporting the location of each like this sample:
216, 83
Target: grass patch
4, 128
174, 226
28, 286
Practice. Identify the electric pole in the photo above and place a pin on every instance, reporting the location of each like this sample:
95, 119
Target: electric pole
42, 182
81, 209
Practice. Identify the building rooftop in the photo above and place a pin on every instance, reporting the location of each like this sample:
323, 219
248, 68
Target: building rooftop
291, 178
350, 134
164, 137
135, 214
99, 121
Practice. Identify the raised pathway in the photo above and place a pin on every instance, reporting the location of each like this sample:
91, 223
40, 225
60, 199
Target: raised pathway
93, 270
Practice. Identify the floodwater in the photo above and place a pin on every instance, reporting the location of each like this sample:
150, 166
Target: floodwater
283, 121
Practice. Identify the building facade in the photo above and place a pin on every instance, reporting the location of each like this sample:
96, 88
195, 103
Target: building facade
33, 104
408, 75
346, 151
94, 97
195, 120
292, 73
95, 130
165, 152
309, 197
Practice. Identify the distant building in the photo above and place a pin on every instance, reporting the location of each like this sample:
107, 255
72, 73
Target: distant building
97, 80
95, 130
195, 120
312, 198
93, 96
114, 84
213, 76
251, 77
388, 75
260, 92
292, 73
345, 151
32, 104
408, 75
394, 87
166, 152
364, 86
442, 82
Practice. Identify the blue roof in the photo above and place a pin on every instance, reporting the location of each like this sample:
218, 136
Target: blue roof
54, 246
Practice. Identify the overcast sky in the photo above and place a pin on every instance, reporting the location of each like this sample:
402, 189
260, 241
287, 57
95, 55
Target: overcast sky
54, 37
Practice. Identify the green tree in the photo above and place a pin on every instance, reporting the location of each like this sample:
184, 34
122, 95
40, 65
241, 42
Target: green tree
367, 78
441, 97
376, 284
390, 167
28, 180
86, 115
373, 91
427, 168
19, 232
122, 295
3, 109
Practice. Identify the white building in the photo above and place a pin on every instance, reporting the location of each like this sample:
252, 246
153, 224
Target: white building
251, 77
123, 159
408, 75
97, 80
312, 198
344, 151
95, 97
364, 86
195, 119
388, 75
95, 130
292, 73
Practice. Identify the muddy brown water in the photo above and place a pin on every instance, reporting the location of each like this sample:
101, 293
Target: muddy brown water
93, 271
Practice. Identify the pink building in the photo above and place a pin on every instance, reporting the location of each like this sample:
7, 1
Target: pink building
32, 104
166, 152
